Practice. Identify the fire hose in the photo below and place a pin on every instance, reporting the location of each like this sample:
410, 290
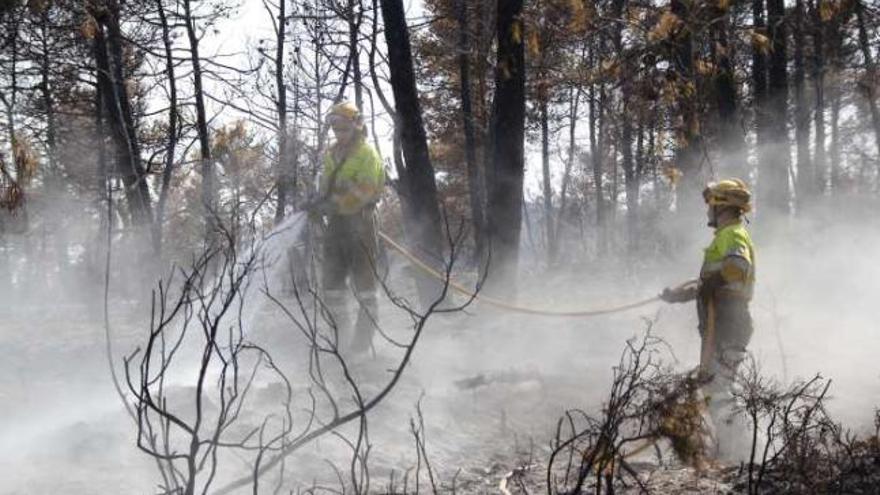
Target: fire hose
708, 340
474, 295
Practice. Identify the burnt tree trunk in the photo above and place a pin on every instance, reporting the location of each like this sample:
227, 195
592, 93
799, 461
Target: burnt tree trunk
818, 76
173, 122
108, 60
547, 188
774, 193
506, 160
835, 42
805, 175
283, 182
869, 87
476, 186
355, 17
687, 154
731, 139
205, 159
418, 184
631, 179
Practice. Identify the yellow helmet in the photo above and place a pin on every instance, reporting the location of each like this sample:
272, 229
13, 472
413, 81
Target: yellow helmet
729, 192
346, 110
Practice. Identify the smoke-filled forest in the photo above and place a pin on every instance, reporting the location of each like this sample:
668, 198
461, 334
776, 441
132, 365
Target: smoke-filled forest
442, 246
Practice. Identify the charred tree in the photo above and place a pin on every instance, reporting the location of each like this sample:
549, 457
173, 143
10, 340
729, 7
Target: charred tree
282, 166
759, 79
597, 155
506, 161
805, 174
774, 194
173, 124
417, 181
354, 14
625, 143
475, 177
732, 143
205, 160
835, 45
547, 189
687, 153
818, 76
871, 78
108, 50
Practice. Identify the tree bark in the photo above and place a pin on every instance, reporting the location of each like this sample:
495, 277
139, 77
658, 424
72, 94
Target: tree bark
818, 74
805, 174
545, 174
732, 142
417, 181
506, 161
207, 164
687, 154
173, 119
355, 14
598, 152
631, 180
774, 193
869, 87
282, 167
108, 60
475, 177
835, 42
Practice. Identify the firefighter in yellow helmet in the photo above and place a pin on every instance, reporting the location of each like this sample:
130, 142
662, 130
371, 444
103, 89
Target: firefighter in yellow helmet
723, 291
351, 184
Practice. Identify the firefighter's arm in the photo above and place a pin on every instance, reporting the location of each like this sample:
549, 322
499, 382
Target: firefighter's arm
680, 294
363, 188
734, 269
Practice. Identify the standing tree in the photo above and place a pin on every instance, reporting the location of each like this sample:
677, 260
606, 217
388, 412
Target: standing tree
506, 160
417, 182
775, 161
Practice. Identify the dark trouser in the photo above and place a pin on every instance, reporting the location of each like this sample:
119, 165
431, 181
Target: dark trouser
350, 247
733, 330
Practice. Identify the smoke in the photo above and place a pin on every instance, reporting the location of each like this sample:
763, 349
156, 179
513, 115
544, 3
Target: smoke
490, 382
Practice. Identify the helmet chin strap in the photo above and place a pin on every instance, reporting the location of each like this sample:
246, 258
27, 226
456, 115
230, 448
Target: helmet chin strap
713, 221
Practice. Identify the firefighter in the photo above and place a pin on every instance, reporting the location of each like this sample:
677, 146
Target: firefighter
351, 184
723, 291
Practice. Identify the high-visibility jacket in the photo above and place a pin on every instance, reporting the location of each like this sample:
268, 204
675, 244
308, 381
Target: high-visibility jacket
356, 182
731, 256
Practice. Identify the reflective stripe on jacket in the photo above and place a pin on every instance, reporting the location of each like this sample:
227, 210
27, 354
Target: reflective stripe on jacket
732, 255
355, 183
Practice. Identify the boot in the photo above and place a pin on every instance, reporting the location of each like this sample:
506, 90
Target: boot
336, 303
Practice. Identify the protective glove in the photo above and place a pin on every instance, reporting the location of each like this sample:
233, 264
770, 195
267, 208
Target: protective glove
670, 295
680, 294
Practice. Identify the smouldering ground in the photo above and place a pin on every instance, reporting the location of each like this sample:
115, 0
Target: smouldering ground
64, 430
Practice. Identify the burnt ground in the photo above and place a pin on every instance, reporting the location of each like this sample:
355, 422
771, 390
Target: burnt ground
491, 388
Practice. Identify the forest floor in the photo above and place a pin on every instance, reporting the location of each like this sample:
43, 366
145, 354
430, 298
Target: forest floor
491, 388
490, 391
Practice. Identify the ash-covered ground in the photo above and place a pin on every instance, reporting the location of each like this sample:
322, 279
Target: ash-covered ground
492, 385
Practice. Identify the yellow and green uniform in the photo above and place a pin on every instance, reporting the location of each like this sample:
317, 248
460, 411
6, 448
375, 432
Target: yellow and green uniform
351, 187
727, 280
355, 182
730, 258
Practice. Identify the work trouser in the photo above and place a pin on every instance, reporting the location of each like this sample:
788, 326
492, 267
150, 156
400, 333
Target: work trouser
732, 333
349, 254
